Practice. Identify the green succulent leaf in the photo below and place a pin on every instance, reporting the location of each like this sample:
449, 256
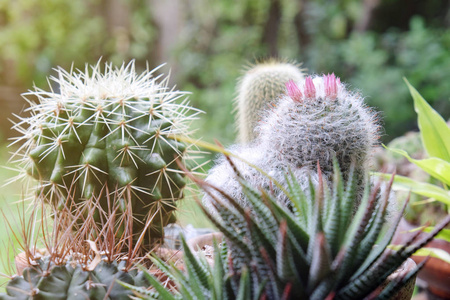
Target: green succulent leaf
244, 286
443, 235
142, 292
298, 200
195, 267
391, 290
163, 293
434, 131
434, 166
218, 273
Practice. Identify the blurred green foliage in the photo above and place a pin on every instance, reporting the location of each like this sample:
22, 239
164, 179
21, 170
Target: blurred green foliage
370, 44
327, 36
38, 35
375, 63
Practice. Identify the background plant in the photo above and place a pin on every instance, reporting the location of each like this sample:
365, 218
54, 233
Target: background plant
355, 39
350, 38
261, 86
435, 136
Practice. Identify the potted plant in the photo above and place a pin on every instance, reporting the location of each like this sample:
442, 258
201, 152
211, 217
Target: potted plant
317, 250
297, 225
435, 136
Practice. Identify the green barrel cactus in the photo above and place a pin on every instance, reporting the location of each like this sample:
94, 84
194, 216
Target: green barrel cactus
72, 280
98, 132
79, 260
262, 84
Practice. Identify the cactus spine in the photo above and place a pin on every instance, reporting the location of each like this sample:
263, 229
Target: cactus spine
261, 84
316, 120
109, 130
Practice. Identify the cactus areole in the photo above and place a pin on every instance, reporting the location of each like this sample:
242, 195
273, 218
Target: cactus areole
108, 131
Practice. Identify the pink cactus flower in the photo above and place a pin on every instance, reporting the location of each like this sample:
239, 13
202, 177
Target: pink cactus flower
294, 91
310, 89
331, 83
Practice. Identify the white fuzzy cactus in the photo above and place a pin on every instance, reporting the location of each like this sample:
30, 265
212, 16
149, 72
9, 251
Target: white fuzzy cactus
316, 120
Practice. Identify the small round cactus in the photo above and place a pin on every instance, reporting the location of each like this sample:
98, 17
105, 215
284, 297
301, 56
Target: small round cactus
261, 84
84, 263
109, 130
71, 279
317, 120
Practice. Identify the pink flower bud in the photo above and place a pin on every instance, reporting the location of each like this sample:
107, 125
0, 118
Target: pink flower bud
330, 83
293, 91
310, 89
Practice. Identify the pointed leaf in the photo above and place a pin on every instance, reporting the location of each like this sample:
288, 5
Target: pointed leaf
320, 262
433, 129
428, 251
142, 292
244, 286
402, 183
162, 291
194, 265
443, 235
436, 167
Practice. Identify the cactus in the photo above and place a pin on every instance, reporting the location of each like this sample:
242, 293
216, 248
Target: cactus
84, 263
261, 84
112, 130
317, 250
317, 120
72, 280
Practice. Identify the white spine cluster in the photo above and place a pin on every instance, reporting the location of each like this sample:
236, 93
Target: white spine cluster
317, 120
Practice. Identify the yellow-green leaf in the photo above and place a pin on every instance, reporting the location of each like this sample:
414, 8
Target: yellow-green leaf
436, 167
444, 234
434, 131
428, 251
402, 183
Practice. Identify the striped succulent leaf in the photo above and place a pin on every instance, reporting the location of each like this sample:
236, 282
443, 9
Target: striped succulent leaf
201, 280
315, 249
